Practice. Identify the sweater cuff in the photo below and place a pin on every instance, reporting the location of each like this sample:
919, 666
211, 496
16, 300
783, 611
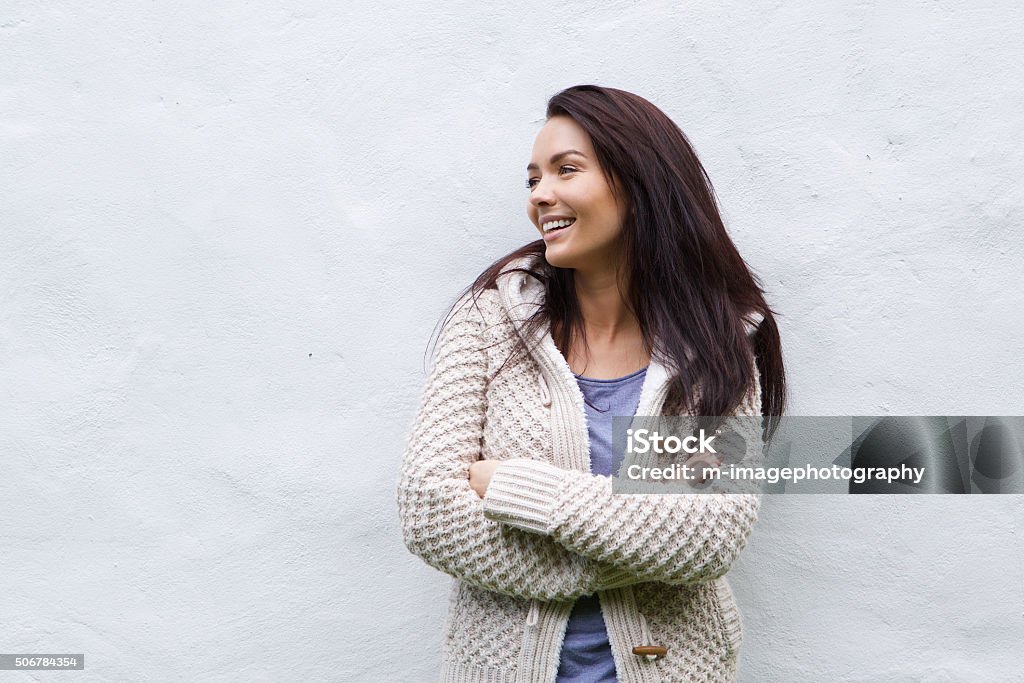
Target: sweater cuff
522, 494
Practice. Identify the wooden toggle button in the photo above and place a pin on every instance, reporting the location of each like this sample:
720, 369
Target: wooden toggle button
650, 650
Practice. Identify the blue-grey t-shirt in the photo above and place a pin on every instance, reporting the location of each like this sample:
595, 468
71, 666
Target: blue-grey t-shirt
586, 655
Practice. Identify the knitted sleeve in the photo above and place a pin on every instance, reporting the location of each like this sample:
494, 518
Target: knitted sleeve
442, 518
671, 538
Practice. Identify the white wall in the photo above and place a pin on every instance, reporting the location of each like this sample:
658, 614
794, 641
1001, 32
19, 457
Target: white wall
226, 234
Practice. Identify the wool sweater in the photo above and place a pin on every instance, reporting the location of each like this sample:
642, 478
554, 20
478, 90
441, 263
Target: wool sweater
548, 531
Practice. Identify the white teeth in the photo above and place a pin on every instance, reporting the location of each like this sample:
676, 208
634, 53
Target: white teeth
554, 225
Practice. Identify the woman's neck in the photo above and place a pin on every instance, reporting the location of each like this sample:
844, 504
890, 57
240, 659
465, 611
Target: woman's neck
606, 316
614, 344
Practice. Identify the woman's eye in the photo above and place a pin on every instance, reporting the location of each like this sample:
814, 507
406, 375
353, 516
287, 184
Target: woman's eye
530, 182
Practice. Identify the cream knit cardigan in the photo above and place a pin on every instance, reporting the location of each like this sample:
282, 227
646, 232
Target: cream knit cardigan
548, 531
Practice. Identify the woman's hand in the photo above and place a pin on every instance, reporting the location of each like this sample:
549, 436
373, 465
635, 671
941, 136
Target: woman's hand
703, 463
480, 473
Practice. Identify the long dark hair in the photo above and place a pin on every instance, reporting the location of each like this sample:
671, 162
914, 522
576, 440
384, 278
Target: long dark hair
689, 288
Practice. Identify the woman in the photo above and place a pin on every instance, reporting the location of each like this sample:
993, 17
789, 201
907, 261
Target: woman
633, 302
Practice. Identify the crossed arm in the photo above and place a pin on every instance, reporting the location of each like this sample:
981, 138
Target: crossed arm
569, 535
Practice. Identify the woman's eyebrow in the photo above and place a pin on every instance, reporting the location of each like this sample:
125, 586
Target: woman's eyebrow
556, 157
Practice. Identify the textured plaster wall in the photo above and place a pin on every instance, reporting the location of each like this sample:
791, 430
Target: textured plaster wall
227, 230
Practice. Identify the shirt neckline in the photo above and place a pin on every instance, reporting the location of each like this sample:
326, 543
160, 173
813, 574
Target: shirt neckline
610, 381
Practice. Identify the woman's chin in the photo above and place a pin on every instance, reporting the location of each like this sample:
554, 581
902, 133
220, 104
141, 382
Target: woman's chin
558, 258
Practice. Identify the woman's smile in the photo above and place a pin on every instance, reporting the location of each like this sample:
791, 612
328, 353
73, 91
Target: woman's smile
557, 230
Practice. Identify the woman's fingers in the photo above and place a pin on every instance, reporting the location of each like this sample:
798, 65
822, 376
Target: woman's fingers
480, 473
703, 463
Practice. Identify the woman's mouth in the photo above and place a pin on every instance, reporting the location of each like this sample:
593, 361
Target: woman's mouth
554, 229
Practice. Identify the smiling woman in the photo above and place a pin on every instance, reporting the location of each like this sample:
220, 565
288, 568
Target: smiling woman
634, 301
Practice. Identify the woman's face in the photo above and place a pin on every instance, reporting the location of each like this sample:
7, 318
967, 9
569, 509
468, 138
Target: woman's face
572, 186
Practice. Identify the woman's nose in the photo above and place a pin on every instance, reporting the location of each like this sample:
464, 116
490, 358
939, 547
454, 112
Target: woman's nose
541, 195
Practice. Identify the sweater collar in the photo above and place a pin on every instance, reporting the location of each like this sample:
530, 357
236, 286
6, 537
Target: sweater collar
522, 295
